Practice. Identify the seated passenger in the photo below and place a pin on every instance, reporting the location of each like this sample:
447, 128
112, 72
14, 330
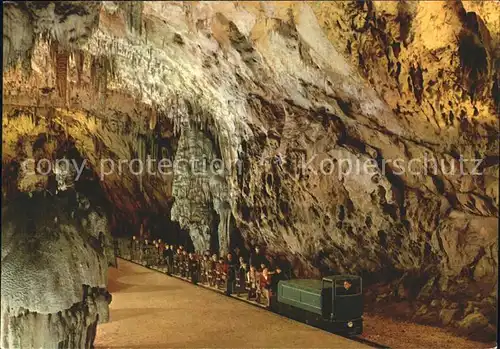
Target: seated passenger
204, 269
161, 248
230, 271
262, 267
241, 278
219, 271
222, 271
178, 262
185, 264
167, 258
244, 269
144, 251
193, 268
265, 285
156, 254
213, 270
252, 283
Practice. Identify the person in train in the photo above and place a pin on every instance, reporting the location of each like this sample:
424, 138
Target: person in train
185, 264
220, 271
193, 268
241, 277
230, 269
251, 279
265, 286
213, 271
205, 269
276, 277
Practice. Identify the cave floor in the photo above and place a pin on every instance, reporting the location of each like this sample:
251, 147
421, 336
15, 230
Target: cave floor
398, 334
152, 310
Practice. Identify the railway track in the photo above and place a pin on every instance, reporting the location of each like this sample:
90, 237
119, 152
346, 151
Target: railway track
255, 304
368, 342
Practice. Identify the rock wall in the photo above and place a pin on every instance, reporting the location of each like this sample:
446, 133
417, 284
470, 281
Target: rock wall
54, 273
321, 84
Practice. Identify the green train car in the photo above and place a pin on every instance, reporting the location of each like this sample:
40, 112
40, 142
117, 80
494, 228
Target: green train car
334, 303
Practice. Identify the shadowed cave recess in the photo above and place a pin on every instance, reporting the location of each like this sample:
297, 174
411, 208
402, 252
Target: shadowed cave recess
228, 87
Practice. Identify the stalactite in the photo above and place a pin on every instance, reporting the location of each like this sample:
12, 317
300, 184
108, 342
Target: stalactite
112, 63
152, 118
26, 63
102, 68
53, 48
153, 145
228, 242
7, 59
141, 154
134, 10
106, 68
61, 67
50, 120
94, 73
97, 146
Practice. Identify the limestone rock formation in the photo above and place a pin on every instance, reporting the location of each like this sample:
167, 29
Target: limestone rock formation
331, 86
199, 188
54, 271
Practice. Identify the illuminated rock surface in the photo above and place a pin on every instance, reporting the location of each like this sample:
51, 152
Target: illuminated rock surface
312, 81
54, 273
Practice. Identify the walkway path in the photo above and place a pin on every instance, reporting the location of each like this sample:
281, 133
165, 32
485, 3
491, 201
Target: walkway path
152, 310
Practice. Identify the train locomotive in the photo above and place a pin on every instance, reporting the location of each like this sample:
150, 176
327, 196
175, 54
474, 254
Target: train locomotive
334, 303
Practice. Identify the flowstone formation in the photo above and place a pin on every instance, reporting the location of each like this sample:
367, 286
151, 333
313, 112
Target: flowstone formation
56, 249
200, 190
317, 85
55, 255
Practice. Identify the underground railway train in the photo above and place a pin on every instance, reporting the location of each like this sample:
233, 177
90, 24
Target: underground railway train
325, 303
334, 303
